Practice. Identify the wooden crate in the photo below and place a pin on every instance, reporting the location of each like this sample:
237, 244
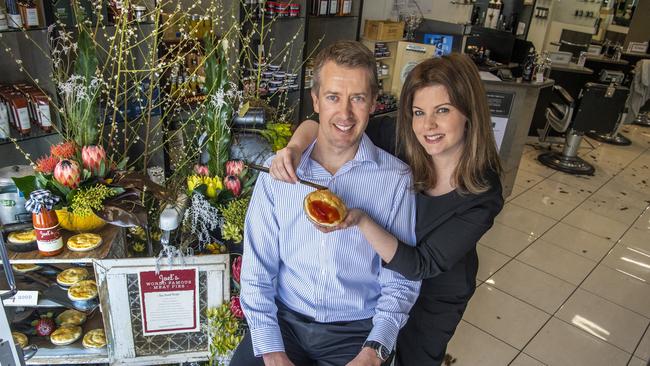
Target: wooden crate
383, 30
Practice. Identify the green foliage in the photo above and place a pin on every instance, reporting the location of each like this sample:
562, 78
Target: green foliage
218, 109
86, 200
235, 212
226, 330
277, 134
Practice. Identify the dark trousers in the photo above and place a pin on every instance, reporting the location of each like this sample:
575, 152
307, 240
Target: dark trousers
309, 343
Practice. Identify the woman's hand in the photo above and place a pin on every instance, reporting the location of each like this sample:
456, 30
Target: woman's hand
283, 166
354, 217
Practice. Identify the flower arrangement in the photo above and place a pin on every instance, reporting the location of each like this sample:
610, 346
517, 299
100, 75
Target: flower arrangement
226, 322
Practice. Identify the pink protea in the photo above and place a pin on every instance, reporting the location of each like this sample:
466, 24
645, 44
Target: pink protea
93, 158
236, 268
233, 184
234, 167
67, 172
235, 307
201, 170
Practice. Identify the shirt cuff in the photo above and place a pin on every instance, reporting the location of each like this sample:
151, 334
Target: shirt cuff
267, 340
384, 332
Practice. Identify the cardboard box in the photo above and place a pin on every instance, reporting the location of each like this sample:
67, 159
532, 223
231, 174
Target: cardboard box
383, 30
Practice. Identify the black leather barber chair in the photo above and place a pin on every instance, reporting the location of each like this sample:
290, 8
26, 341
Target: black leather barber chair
598, 131
596, 106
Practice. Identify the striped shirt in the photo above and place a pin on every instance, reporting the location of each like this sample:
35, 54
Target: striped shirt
329, 277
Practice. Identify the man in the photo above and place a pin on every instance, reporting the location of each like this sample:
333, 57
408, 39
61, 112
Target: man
316, 298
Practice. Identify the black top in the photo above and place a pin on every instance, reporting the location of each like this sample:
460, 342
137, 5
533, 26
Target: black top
447, 229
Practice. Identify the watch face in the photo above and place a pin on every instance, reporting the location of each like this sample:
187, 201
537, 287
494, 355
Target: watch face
383, 352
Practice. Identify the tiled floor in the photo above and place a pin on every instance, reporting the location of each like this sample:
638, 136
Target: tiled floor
564, 276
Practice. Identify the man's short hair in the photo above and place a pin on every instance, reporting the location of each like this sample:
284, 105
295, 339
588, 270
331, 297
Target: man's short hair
350, 54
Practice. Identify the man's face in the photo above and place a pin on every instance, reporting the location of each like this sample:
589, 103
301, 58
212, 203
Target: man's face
344, 103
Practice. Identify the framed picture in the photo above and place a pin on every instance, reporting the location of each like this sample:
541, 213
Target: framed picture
158, 315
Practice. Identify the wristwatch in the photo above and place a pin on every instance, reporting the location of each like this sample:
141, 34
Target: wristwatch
382, 352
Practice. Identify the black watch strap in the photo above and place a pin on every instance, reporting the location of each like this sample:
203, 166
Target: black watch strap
382, 351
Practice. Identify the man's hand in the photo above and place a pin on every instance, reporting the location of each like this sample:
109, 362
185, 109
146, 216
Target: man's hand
276, 359
353, 218
367, 357
283, 166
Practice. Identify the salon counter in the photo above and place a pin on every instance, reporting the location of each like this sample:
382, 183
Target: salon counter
512, 106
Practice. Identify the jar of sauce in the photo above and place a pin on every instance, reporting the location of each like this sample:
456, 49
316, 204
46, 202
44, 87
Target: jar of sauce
46, 224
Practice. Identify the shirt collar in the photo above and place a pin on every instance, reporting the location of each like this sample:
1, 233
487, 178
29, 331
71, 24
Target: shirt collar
367, 152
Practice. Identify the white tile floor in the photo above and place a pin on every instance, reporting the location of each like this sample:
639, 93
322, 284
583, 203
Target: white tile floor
564, 276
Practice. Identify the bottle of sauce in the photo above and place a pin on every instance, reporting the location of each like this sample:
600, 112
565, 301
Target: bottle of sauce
46, 225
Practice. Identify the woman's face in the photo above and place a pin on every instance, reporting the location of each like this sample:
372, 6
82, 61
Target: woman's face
438, 125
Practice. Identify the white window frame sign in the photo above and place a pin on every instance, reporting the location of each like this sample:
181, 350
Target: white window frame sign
119, 289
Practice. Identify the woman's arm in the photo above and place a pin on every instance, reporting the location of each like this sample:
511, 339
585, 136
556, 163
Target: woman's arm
283, 166
437, 252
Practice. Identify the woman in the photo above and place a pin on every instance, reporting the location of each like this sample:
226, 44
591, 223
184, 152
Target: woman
444, 133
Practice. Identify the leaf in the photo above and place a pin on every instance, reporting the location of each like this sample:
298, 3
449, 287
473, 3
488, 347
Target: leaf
140, 182
122, 164
85, 175
26, 185
244, 109
125, 210
63, 190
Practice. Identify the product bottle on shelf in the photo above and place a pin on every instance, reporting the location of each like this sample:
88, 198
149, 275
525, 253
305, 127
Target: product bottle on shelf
13, 14
487, 22
496, 13
333, 7
345, 7
29, 14
529, 67
46, 224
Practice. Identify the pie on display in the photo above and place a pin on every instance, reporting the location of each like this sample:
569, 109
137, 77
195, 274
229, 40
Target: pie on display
95, 338
324, 208
20, 339
84, 242
83, 291
71, 317
72, 275
66, 334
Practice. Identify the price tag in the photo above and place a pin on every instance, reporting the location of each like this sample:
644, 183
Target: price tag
22, 298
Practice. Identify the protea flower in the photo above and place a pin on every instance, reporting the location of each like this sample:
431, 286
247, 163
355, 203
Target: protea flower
233, 184
236, 268
64, 150
67, 172
93, 157
235, 307
234, 167
47, 164
201, 170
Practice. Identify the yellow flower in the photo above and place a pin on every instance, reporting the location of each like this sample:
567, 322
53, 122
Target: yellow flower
214, 186
194, 181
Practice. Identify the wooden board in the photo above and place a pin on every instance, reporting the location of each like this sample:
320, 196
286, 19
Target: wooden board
113, 246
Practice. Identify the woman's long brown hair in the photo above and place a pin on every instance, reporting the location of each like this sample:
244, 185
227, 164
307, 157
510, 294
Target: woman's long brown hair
460, 77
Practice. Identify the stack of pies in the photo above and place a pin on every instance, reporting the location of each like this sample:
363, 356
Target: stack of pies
71, 317
71, 276
66, 334
22, 237
20, 339
94, 339
83, 291
325, 208
84, 242
24, 268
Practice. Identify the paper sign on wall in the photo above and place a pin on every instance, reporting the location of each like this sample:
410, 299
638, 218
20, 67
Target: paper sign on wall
169, 301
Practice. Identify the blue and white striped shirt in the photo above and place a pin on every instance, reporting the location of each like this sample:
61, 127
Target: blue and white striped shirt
330, 277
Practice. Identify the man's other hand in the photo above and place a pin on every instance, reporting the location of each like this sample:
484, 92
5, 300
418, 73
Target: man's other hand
283, 165
276, 359
367, 357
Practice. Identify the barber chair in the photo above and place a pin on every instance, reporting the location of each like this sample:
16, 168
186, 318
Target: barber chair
596, 103
598, 131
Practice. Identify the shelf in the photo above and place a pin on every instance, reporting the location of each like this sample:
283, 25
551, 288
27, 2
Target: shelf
384, 58
20, 30
36, 133
332, 16
381, 40
384, 77
113, 243
383, 112
76, 353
